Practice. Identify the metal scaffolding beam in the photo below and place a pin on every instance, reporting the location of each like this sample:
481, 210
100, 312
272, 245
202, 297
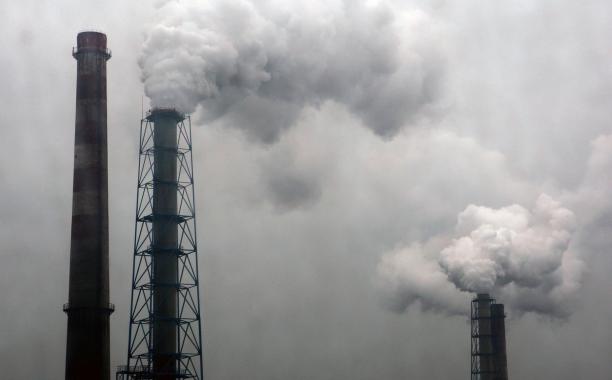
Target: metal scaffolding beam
165, 332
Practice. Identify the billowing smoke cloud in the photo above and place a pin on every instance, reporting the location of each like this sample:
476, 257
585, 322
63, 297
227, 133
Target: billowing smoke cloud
259, 63
408, 277
508, 245
521, 256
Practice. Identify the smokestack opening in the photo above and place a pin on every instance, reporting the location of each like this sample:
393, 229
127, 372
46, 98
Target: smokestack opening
168, 113
91, 42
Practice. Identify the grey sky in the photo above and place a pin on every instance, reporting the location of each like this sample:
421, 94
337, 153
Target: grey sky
295, 217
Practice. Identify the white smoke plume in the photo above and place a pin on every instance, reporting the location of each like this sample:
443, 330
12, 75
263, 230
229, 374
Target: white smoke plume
259, 63
521, 256
408, 277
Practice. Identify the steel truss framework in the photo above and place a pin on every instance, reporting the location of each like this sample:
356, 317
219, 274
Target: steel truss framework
478, 353
142, 315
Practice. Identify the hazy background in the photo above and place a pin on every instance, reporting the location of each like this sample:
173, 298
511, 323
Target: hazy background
293, 221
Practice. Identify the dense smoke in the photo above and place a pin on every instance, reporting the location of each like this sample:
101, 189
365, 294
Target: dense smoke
259, 63
522, 256
409, 277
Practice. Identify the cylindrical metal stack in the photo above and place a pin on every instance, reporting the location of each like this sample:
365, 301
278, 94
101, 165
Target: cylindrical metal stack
498, 332
88, 307
165, 242
484, 336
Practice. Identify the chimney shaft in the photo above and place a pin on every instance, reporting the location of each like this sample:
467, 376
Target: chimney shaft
88, 307
488, 334
484, 336
165, 334
498, 332
165, 242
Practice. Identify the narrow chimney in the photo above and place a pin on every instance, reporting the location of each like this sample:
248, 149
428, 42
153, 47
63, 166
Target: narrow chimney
485, 343
488, 334
165, 242
498, 335
88, 307
165, 334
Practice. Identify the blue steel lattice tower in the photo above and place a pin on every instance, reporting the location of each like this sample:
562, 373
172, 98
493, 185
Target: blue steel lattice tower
165, 326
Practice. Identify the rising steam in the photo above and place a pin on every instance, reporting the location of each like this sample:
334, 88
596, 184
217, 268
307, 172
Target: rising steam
259, 63
521, 256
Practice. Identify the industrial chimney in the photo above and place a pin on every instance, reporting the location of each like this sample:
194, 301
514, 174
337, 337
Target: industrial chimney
498, 341
165, 319
88, 307
165, 241
488, 337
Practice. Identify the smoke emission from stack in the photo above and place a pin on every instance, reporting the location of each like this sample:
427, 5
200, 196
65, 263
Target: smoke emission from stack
256, 65
534, 79
520, 255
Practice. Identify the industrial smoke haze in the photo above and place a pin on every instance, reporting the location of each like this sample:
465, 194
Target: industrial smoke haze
259, 63
522, 256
